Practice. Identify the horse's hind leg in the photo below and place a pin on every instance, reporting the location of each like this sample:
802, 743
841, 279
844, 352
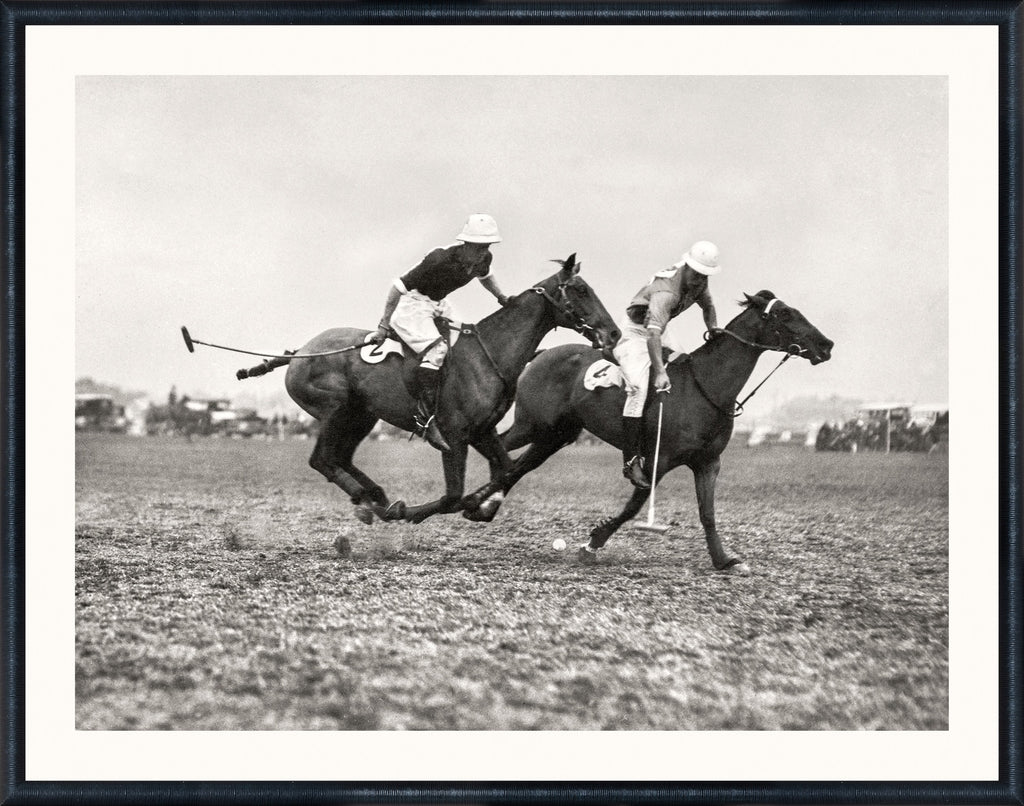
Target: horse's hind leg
518, 436
483, 504
332, 457
543, 448
373, 500
454, 462
544, 441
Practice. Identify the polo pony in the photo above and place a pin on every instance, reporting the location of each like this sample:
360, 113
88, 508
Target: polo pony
348, 395
553, 406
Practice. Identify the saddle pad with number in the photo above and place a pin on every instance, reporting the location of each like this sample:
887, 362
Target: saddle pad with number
375, 353
602, 373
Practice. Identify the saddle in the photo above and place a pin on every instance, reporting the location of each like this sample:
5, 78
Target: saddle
449, 331
393, 345
606, 374
602, 373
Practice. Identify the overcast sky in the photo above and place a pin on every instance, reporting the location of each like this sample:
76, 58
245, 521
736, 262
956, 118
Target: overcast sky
260, 211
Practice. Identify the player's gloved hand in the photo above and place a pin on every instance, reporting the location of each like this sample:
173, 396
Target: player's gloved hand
376, 337
502, 300
661, 382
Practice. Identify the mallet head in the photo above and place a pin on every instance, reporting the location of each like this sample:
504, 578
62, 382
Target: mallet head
656, 528
188, 339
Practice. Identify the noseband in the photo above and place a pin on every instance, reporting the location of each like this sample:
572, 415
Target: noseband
564, 307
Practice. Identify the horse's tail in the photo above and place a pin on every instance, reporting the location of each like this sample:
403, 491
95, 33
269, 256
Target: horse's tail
268, 365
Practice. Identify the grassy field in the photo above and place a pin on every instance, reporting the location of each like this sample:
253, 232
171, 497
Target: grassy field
209, 595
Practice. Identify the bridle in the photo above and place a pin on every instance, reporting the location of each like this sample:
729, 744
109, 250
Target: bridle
565, 307
766, 315
790, 351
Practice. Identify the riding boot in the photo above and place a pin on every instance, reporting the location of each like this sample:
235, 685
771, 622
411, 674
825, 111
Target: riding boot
426, 408
632, 452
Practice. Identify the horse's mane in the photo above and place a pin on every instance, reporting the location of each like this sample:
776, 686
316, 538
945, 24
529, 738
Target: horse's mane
763, 297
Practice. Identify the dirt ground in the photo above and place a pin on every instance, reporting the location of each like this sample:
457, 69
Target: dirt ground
210, 595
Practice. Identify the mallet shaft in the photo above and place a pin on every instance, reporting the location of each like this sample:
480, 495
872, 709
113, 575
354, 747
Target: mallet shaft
654, 468
191, 342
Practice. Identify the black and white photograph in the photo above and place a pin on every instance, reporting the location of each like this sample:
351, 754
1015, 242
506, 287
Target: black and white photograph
557, 397
274, 552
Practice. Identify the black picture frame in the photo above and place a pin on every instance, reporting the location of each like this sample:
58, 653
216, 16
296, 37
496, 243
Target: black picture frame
17, 15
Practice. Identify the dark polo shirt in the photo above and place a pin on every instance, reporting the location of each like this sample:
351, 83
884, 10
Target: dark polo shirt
446, 269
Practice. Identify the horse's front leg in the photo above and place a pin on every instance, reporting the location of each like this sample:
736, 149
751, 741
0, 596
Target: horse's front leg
454, 462
606, 528
704, 476
482, 504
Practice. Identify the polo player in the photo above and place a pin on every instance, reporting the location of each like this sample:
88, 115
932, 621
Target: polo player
420, 295
668, 294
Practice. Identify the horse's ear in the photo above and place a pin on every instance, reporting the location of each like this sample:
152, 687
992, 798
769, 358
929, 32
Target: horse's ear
759, 300
569, 267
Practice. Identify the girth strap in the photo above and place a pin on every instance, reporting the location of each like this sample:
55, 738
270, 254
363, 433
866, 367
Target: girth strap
470, 330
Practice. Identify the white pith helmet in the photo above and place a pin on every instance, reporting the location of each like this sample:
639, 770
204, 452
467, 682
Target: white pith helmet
702, 258
480, 228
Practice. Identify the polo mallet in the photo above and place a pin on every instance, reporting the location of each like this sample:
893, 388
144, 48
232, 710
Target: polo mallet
651, 526
191, 342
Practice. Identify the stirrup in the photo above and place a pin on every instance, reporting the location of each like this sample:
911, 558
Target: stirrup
431, 433
633, 470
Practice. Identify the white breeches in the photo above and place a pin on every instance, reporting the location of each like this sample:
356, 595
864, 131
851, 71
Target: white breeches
413, 321
635, 363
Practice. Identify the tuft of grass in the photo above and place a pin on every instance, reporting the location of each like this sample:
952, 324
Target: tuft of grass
233, 540
343, 546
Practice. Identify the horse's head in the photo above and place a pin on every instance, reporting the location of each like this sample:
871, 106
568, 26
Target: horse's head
781, 327
575, 305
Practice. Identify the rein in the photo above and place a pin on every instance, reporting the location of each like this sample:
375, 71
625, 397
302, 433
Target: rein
790, 351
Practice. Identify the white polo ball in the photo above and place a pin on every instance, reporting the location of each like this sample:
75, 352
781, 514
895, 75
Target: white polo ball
558, 544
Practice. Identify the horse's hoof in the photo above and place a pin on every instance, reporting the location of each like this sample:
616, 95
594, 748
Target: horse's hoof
490, 505
477, 515
735, 567
395, 512
416, 516
364, 514
471, 502
586, 555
